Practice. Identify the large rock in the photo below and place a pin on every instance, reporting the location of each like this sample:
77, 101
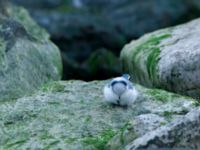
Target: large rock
80, 27
27, 58
167, 59
181, 134
72, 115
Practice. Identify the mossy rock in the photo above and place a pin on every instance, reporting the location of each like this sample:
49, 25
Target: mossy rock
183, 133
167, 59
73, 115
28, 59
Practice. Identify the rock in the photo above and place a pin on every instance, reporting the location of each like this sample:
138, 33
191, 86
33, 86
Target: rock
72, 115
148, 122
167, 59
138, 127
27, 58
80, 27
181, 134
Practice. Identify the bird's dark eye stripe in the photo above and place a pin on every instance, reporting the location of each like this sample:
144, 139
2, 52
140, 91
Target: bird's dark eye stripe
114, 82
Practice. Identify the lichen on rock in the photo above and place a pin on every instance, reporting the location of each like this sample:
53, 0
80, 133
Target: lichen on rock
167, 59
73, 115
181, 134
144, 56
27, 57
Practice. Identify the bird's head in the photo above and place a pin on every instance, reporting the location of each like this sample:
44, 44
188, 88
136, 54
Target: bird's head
120, 84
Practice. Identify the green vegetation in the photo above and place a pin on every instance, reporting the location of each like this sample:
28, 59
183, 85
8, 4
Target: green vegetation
150, 48
15, 144
152, 61
168, 115
21, 15
2, 51
45, 135
154, 52
123, 129
146, 54
53, 86
50, 145
163, 123
197, 103
161, 95
99, 141
88, 119
70, 140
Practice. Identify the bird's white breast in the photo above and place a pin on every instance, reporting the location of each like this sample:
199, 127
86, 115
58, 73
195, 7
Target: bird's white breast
109, 95
126, 97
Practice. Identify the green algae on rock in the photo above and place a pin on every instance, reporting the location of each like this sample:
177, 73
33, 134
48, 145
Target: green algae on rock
167, 59
144, 56
73, 115
27, 57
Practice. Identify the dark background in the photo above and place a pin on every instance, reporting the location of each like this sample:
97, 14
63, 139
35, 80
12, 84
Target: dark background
91, 33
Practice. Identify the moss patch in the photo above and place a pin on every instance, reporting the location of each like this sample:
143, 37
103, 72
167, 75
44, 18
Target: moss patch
19, 14
2, 52
15, 144
122, 131
197, 103
52, 144
151, 49
161, 95
168, 115
154, 52
53, 87
144, 56
123, 137
99, 141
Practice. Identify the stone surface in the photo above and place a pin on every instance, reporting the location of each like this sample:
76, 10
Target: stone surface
167, 59
80, 27
27, 57
74, 115
181, 134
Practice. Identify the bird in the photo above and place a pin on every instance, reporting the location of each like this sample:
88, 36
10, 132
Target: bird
120, 91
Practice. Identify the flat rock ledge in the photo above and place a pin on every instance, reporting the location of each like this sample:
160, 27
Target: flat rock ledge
73, 115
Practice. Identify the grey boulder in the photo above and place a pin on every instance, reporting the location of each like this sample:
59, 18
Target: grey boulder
180, 134
167, 59
27, 57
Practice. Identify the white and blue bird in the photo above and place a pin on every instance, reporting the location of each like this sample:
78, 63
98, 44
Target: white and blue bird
120, 91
